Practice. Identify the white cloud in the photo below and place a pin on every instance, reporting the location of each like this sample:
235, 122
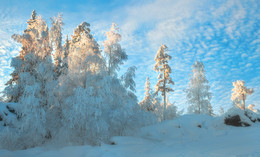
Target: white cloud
248, 65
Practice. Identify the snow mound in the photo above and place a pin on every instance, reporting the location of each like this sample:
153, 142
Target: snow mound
188, 135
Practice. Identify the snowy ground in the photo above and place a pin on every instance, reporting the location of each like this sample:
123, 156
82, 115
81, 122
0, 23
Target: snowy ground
179, 137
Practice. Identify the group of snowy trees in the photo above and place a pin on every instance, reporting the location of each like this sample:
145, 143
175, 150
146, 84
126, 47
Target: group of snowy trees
198, 95
69, 92
151, 101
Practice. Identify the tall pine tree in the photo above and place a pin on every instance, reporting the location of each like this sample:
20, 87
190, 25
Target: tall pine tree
164, 82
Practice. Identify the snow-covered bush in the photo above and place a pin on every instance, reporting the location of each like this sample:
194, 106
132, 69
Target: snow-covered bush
100, 110
94, 103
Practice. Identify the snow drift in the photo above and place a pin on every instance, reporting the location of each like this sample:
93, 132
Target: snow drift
188, 135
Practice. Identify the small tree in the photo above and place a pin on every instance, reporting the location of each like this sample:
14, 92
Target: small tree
164, 82
147, 102
198, 94
239, 93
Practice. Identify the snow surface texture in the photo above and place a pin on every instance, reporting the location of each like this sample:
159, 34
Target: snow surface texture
188, 135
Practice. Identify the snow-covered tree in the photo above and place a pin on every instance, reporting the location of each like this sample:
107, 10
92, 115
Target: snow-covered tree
151, 102
66, 48
114, 53
42, 38
35, 48
85, 54
164, 82
33, 88
128, 78
240, 93
198, 95
147, 102
56, 39
14, 88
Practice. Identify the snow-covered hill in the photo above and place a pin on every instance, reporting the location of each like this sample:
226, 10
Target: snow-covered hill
188, 135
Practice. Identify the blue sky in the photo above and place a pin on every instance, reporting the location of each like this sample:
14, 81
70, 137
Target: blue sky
223, 34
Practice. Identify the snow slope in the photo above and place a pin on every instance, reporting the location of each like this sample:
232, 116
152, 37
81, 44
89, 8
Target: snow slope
188, 135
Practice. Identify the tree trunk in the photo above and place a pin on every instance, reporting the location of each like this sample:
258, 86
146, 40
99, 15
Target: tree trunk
244, 103
109, 63
164, 93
